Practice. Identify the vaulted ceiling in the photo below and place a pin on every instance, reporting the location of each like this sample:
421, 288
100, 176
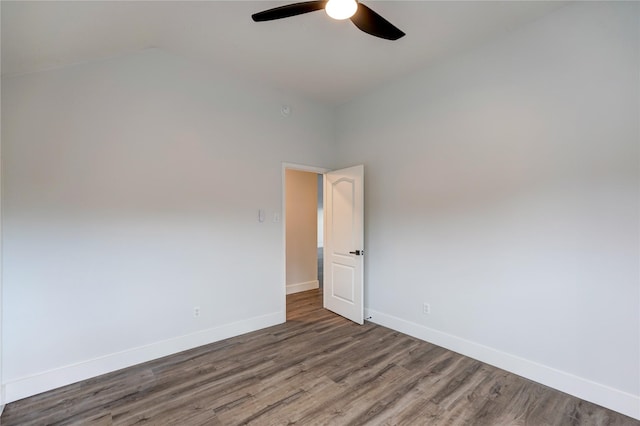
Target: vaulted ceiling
312, 55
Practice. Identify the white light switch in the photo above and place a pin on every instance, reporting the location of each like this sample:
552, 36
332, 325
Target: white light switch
261, 215
276, 217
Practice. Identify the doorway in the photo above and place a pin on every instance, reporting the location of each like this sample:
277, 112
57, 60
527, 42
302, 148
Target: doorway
342, 242
303, 230
302, 270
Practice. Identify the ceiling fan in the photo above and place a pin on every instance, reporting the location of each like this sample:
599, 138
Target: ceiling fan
362, 16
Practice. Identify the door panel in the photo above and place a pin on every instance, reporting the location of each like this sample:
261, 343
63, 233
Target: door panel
343, 282
344, 237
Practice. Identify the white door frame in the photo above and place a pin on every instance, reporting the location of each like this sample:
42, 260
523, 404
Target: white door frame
2, 387
302, 168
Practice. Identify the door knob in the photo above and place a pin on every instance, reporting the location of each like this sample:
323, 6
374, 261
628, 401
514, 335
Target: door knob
357, 252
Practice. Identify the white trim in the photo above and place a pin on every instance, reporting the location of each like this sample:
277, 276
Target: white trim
304, 168
582, 388
2, 394
297, 288
41, 382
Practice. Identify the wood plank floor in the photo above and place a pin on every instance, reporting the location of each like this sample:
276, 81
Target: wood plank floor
317, 369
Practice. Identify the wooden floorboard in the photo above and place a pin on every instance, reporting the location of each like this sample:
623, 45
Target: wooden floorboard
316, 369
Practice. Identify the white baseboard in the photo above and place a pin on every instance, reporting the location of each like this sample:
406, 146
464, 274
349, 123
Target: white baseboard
297, 288
597, 393
42, 382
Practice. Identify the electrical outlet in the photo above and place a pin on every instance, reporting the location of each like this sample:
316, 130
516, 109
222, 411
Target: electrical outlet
426, 308
196, 311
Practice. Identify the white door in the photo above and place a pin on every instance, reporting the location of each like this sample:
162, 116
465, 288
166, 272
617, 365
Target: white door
344, 243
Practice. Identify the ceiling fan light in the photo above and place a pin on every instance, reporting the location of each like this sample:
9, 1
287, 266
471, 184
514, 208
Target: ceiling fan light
341, 9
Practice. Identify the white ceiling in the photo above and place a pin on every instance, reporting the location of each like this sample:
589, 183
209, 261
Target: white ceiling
313, 55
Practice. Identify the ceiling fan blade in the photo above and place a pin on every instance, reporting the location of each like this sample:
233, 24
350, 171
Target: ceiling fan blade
372, 23
289, 10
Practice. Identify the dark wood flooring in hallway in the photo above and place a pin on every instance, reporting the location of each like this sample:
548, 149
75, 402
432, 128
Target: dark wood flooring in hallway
316, 369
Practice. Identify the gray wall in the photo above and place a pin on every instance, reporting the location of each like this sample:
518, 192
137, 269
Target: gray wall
131, 190
503, 189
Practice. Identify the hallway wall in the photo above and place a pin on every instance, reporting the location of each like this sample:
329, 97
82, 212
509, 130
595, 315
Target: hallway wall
302, 230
